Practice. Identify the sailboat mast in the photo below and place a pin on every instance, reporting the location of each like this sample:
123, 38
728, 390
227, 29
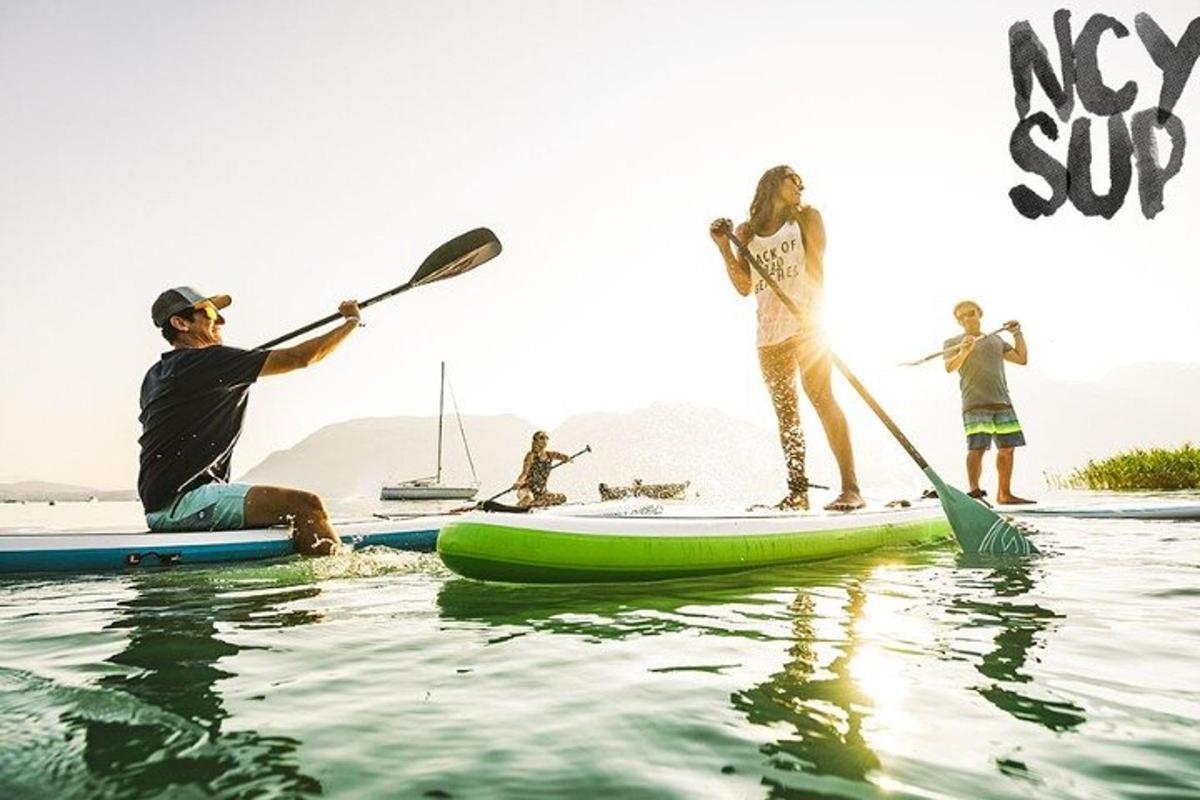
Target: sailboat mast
441, 402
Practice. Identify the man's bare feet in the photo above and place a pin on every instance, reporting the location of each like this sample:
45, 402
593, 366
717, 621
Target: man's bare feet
316, 546
1013, 500
848, 500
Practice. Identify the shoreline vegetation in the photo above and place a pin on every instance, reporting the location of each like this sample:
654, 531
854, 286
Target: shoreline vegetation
1156, 469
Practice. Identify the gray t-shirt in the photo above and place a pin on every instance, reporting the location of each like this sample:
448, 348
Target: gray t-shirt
981, 377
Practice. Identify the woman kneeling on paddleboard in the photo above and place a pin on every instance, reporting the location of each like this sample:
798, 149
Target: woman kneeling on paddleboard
535, 472
788, 239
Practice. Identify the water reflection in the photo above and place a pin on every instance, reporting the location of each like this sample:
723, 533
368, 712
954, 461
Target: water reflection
1019, 630
722, 605
814, 697
821, 705
598, 611
839, 693
169, 732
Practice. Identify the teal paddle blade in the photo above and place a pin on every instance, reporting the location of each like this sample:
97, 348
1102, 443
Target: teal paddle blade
979, 530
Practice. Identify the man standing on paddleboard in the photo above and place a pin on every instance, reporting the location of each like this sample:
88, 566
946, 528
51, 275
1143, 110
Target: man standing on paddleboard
986, 406
192, 403
788, 239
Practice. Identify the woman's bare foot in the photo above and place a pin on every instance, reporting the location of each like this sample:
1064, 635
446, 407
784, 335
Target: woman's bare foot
796, 501
848, 500
1013, 500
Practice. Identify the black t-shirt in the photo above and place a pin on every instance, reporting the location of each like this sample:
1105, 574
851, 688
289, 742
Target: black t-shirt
193, 401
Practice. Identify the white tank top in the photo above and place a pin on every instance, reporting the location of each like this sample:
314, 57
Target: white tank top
782, 256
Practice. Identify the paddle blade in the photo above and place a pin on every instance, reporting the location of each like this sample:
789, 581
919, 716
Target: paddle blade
504, 508
459, 255
979, 530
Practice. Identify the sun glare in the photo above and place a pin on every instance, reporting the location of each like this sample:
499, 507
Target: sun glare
878, 667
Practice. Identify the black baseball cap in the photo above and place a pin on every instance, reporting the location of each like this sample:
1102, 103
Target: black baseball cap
182, 298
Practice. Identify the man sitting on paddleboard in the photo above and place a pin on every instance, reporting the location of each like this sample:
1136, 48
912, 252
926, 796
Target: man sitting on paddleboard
193, 400
986, 406
788, 238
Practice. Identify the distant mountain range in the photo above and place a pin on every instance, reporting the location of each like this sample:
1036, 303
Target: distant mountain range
660, 443
726, 458
35, 491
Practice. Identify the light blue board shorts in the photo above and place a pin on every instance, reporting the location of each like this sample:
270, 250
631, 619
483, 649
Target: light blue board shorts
211, 507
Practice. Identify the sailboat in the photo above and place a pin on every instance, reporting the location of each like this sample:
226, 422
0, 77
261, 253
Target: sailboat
432, 488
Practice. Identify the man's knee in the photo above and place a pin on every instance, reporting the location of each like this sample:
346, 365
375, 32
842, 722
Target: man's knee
305, 504
284, 502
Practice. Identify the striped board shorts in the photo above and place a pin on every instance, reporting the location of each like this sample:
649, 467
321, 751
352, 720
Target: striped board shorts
984, 424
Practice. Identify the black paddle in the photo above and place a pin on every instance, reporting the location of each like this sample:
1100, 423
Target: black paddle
515, 509
977, 528
459, 255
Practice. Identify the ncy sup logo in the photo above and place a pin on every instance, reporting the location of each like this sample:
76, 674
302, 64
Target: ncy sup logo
1080, 68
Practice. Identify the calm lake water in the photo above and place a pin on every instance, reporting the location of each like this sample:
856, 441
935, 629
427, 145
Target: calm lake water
381, 674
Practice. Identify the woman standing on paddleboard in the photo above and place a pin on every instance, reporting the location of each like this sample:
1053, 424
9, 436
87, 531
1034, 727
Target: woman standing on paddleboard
788, 239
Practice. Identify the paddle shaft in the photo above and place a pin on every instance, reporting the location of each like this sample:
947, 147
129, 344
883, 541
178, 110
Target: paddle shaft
752, 260
334, 317
951, 350
586, 449
460, 254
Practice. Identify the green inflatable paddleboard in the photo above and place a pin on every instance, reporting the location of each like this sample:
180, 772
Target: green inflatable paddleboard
558, 548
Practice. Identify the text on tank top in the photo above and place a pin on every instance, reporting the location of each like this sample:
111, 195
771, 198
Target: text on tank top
782, 256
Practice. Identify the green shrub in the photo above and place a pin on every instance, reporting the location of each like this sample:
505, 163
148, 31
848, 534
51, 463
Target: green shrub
1139, 470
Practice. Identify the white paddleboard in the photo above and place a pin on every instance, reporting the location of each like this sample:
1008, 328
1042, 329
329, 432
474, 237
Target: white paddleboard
38, 550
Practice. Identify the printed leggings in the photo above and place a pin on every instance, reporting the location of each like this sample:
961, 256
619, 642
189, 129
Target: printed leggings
779, 364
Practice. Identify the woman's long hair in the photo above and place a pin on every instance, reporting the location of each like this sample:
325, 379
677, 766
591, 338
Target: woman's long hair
768, 185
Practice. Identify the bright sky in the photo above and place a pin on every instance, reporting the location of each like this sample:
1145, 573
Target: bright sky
293, 154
